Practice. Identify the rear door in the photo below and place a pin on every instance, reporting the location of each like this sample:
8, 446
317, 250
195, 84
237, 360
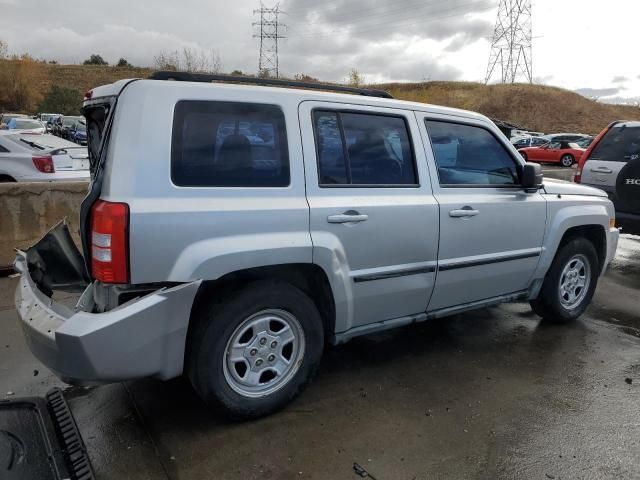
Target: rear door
373, 218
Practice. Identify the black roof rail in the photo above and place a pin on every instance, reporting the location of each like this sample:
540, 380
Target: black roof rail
277, 82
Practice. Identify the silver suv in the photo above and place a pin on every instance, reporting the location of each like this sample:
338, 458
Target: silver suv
612, 163
231, 231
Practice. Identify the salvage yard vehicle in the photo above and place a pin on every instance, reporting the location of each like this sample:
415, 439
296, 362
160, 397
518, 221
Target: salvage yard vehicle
25, 125
564, 153
232, 230
27, 157
612, 163
529, 141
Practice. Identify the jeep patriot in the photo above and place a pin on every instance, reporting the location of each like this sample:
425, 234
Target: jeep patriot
233, 229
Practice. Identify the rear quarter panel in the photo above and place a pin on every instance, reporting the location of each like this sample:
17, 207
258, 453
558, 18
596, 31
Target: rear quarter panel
187, 233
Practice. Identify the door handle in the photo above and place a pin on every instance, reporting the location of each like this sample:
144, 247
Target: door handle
350, 216
601, 170
464, 212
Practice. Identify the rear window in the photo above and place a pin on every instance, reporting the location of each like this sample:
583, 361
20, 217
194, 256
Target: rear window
27, 124
41, 142
619, 144
229, 144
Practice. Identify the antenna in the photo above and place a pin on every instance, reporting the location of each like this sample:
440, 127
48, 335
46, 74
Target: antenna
269, 33
510, 54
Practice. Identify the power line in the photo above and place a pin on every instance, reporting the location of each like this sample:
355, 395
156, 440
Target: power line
511, 46
270, 31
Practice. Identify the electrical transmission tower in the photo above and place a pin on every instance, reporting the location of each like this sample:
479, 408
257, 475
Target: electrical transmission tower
269, 34
510, 55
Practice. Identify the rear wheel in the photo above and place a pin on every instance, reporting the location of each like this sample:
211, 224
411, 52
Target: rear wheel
570, 282
254, 352
567, 160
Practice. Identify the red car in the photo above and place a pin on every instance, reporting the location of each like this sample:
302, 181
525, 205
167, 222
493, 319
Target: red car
564, 153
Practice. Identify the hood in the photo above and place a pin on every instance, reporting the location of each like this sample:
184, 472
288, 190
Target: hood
561, 187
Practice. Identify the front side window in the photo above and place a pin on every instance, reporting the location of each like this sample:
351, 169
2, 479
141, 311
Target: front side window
229, 144
363, 149
468, 155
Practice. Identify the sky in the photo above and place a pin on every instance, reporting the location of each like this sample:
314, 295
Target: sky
583, 45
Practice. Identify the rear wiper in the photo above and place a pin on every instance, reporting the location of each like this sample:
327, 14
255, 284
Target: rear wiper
32, 144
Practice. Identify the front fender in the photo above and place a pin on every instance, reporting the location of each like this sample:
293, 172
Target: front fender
584, 211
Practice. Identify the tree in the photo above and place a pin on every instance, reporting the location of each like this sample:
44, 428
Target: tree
61, 100
19, 77
4, 49
238, 73
189, 60
95, 59
355, 78
122, 63
302, 77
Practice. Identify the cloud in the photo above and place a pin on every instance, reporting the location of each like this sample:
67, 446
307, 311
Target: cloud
598, 92
543, 80
619, 79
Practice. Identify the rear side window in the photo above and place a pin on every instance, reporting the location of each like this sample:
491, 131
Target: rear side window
363, 149
468, 155
619, 144
229, 144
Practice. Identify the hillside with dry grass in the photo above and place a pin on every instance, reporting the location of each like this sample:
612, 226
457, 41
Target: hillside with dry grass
536, 107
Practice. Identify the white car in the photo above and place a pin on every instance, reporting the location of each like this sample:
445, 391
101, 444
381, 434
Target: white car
25, 125
28, 157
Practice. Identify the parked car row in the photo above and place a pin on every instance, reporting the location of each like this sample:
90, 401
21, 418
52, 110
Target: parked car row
565, 149
68, 127
71, 128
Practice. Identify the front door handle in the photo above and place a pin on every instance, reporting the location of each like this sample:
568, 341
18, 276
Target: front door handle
602, 170
463, 212
350, 216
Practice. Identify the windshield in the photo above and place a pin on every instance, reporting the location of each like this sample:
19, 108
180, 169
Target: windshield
619, 144
21, 124
68, 121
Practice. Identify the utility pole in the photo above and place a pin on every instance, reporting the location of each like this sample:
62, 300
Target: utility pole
270, 31
510, 55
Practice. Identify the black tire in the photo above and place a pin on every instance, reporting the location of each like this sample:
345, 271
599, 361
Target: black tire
524, 155
548, 305
217, 323
567, 160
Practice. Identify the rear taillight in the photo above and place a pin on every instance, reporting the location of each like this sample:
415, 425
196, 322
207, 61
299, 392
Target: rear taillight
109, 242
577, 178
44, 163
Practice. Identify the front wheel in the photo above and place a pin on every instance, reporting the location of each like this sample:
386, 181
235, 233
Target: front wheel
567, 160
570, 282
252, 353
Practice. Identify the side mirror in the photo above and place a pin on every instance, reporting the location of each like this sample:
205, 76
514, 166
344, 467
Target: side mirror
531, 177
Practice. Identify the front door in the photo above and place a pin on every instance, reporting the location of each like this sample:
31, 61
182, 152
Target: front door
491, 231
373, 217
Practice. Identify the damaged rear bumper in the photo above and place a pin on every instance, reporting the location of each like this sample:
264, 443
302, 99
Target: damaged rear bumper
143, 337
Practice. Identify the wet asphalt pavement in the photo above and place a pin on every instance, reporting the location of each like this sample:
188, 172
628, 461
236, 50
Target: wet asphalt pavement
489, 394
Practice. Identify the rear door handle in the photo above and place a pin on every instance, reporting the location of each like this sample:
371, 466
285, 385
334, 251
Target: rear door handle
464, 212
602, 170
350, 216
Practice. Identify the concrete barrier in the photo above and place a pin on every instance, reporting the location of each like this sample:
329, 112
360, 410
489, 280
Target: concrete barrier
28, 210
